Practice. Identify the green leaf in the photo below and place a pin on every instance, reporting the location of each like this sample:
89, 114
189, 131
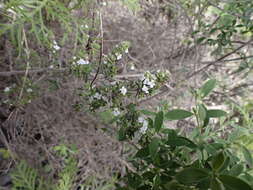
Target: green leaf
218, 160
191, 175
236, 170
207, 87
247, 177
148, 113
248, 156
177, 114
202, 112
172, 185
204, 184
201, 39
158, 121
224, 165
234, 183
153, 147
216, 113
121, 134
181, 141
216, 185
142, 153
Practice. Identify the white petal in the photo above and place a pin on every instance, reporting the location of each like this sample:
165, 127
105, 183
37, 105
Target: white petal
7, 89
145, 89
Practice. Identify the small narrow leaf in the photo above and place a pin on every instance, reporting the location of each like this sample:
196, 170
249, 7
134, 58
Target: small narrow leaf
248, 156
121, 134
191, 175
181, 141
158, 121
153, 147
216, 113
207, 87
147, 112
225, 164
202, 112
234, 183
177, 114
218, 160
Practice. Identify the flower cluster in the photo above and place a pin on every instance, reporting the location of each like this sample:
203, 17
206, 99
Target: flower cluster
80, 61
118, 56
98, 96
148, 81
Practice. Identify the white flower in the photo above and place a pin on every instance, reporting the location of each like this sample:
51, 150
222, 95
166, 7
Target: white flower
104, 98
145, 89
137, 136
84, 26
141, 119
82, 62
103, 4
144, 127
74, 57
7, 89
97, 95
51, 66
119, 56
123, 90
116, 112
167, 72
132, 67
151, 84
55, 46
29, 90
113, 83
126, 51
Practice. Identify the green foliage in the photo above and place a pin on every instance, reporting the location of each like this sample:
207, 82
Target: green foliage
168, 160
27, 178
69, 171
177, 114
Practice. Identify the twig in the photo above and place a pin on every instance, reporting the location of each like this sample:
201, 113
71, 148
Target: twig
27, 65
229, 60
218, 60
101, 49
11, 73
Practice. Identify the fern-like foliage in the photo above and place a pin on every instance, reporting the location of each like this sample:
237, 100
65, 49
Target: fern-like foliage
26, 178
33, 17
68, 173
